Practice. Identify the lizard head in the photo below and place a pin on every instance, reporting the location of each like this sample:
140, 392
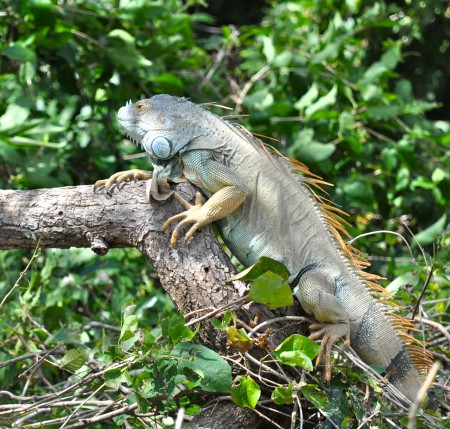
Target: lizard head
162, 125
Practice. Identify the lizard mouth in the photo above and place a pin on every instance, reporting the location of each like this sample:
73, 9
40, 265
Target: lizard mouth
127, 120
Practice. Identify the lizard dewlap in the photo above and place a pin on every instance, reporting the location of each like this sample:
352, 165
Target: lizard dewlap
263, 207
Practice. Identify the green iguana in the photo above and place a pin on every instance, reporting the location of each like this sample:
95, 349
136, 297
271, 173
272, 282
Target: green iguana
263, 208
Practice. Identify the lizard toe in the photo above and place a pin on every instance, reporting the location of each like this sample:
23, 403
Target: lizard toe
193, 215
330, 334
122, 177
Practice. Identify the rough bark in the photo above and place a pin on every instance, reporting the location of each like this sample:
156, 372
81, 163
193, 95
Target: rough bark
193, 273
225, 415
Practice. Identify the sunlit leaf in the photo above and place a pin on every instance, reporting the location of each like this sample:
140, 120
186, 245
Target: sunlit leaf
213, 371
322, 103
238, 339
308, 98
430, 234
74, 359
283, 394
263, 265
272, 290
245, 392
222, 324
297, 350
268, 48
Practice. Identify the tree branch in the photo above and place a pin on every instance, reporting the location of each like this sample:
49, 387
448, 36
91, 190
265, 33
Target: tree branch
194, 274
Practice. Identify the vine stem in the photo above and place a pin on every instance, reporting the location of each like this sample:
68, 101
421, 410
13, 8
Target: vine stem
37, 250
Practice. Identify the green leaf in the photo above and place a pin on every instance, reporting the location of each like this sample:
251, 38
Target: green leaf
297, 350
404, 89
383, 112
283, 59
404, 279
122, 35
388, 61
18, 52
31, 299
263, 265
445, 423
129, 326
372, 73
315, 395
346, 120
345, 132
431, 234
54, 317
307, 150
245, 392
390, 158
120, 46
9, 154
272, 290
259, 100
222, 324
15, 115
168, 83
314, 152
210, 371
128, 310
337, 404
371, 92
418, 107
359, 192
268, 49
283, 394
422, 182
63, 335
129, 333
329, 53
308, 98
41, 4
174, 329
438, 175
403, 178
74, 359
391, 58
113, 378
322, 103
355, 143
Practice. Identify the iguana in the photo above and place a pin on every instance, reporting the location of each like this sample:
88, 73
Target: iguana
263, 207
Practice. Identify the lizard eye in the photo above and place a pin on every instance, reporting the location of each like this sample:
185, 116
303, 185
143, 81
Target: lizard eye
141, 106
161, 147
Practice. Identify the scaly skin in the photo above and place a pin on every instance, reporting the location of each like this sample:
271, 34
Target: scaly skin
263, 209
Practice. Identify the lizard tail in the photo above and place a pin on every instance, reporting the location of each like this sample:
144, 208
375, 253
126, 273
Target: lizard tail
405, 367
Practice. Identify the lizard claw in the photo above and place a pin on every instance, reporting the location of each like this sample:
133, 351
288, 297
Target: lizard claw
193, 214
122, 177
330, 335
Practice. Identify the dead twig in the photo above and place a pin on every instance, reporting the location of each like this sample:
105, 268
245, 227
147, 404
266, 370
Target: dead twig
421, 395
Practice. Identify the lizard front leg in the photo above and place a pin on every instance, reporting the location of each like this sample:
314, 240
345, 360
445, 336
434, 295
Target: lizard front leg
314, 291
228, 193
122, 177
156, 188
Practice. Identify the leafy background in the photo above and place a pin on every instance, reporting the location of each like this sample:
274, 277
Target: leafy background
356, 90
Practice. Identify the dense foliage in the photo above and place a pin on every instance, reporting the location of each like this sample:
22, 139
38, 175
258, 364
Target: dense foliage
325, 82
